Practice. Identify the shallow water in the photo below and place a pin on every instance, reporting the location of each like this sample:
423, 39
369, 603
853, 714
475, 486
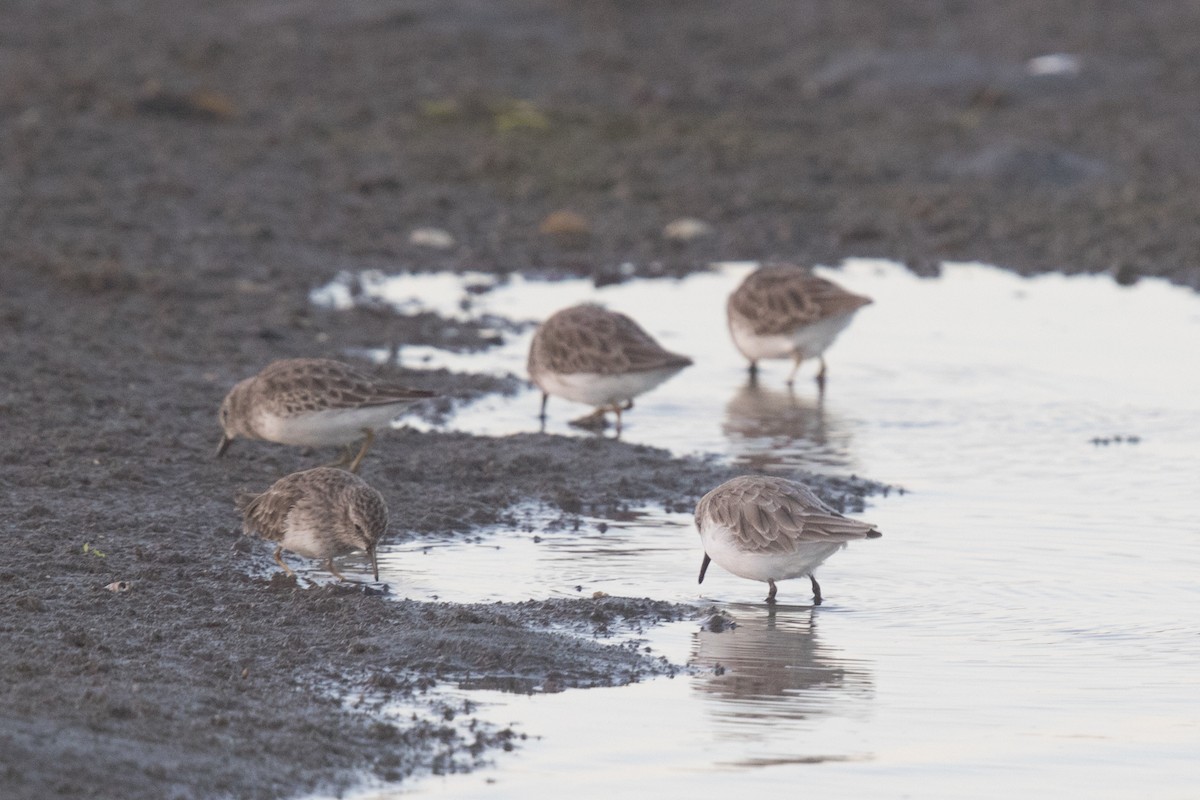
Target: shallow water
1030, 618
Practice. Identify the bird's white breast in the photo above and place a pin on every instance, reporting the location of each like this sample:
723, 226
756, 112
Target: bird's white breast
722, 546
328, 427
595, 389
809, 340
302, 538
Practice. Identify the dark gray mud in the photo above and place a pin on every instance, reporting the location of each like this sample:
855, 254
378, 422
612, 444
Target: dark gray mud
174, 181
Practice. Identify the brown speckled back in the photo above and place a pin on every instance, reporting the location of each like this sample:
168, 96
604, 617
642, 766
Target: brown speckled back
297, 385
591, 339
333, 501
779, 299
773, 515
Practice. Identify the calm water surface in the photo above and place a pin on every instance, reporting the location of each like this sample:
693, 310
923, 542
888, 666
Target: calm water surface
1030, 622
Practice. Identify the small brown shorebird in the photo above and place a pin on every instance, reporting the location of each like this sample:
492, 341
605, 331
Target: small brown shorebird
319, 513
590, 355
313, 402
772, 529
786, 311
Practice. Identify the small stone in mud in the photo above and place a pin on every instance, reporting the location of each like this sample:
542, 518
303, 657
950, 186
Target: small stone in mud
30, 603
433, 238
718, 623
202, 104
566, 228
281, 580
686, 229
383, 681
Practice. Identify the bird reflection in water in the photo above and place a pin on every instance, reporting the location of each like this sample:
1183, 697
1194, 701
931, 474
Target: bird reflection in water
772, 668
768, 428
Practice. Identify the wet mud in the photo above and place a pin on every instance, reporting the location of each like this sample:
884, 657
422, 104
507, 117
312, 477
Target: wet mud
174, 185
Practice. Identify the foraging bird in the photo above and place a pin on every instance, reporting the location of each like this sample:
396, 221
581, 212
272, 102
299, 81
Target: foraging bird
313, 402
318, 513
786, 311
771, 529
590, 355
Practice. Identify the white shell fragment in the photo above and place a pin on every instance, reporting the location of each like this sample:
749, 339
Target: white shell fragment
1053, 64
686, 229
118, 586
433, 238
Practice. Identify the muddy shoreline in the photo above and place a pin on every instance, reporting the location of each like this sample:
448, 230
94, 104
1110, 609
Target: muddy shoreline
173, 186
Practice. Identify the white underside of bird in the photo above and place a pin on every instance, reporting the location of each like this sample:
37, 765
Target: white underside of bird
809, 341
721, 544
305, 540
600, 390
326, 427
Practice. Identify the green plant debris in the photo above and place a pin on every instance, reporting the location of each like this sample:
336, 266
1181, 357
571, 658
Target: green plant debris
443, 110
520, 115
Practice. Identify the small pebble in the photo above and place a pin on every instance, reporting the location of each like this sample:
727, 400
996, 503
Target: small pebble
433, 238
686, 229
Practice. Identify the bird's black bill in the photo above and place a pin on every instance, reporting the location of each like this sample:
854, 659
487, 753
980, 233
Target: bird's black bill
223, 446
704, 567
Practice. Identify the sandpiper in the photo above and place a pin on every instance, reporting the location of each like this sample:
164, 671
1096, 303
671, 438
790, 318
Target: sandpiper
772, 529
590, 355
313, 402
319, 513
786, 311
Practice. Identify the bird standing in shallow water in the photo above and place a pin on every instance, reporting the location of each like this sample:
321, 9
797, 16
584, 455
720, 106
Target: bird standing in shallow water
319, 513
786, 311
771, 529
602, 358
313, 402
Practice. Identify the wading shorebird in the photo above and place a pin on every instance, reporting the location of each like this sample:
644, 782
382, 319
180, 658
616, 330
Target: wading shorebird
771, 529
313, 402
320, 513
590, 355
786, 311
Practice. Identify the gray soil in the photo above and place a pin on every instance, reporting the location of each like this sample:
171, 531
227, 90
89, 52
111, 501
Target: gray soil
175, 178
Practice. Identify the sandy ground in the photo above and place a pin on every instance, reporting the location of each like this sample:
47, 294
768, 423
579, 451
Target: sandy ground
174, 180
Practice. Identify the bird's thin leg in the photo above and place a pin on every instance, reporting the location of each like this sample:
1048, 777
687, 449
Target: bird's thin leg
370, 437
797, 357
279, 561
542, 413
618, 410
771, 594
816, 587
334, 570
753, 371
821, 377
